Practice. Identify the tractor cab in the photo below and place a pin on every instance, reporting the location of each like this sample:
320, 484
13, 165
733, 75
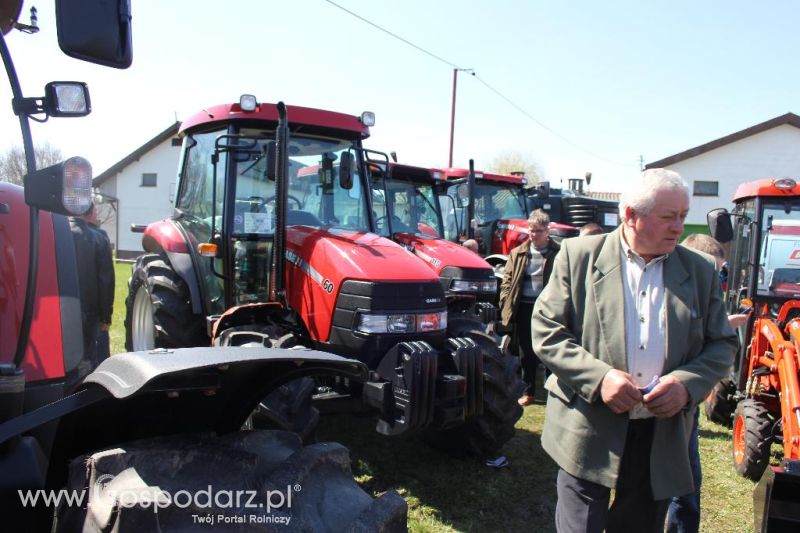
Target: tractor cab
764, 235
227, 201
490, 208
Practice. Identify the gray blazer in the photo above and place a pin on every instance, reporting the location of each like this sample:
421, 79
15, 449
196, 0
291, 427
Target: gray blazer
578, 331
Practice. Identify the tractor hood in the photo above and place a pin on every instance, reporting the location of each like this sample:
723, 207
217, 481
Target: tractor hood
439, 254
507, 234
352, 255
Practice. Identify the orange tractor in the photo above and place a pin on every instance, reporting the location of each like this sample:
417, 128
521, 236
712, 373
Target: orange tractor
764, 232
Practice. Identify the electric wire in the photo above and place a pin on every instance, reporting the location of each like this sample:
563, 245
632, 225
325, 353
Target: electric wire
492, 89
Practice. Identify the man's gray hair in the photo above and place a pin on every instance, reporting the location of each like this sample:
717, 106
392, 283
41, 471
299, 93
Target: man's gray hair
641, 196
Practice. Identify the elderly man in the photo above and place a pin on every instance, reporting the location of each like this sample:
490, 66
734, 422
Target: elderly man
634, 329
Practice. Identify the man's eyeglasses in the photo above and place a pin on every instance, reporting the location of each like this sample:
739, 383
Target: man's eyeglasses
536, 231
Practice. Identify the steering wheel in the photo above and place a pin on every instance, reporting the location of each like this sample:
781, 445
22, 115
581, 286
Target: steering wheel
290, 198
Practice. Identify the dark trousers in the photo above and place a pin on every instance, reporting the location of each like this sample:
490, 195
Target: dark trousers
91, 325
583, 505
524, 342
103, 346
684, 511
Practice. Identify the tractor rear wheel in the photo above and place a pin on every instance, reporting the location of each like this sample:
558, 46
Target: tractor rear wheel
752, 438
247, 481
485, 434
159, 309
719, 405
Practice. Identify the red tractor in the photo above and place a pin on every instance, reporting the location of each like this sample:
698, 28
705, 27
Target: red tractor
149, 440
492, 209
274, 242
763, 395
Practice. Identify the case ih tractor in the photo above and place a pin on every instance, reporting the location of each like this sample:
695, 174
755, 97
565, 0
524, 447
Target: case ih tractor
492, 209
148, 441
763, 394
408, 211
274, 243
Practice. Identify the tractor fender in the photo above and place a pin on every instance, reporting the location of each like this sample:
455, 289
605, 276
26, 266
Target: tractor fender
137, 395
168, 238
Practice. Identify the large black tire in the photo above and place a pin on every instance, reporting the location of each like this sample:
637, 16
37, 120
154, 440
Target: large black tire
719, 404
289, 407
270, 473
485, 434
158, 309
752, 438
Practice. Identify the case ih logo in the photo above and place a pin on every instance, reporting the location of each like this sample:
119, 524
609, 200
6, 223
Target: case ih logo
795, 255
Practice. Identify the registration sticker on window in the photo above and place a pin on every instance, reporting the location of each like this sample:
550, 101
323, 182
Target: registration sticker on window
258, 223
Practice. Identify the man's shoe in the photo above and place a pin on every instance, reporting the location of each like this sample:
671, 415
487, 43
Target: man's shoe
526, 400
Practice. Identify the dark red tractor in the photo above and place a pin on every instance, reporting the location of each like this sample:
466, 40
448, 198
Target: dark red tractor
152, 440
274, 242
492, 209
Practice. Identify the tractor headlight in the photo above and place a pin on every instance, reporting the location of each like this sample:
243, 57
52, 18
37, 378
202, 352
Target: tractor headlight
64, 188
401, 323
473, 285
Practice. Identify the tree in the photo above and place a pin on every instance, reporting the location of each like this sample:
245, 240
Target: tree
513, 161
13, 166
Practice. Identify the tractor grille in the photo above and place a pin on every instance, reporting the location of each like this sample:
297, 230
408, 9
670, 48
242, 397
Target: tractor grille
380, 298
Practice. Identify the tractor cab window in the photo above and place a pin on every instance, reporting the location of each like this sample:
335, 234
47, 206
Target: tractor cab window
498, 200
410, 204
738, 269
779, 257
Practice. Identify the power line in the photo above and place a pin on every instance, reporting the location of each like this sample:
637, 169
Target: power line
495, 91
384, 30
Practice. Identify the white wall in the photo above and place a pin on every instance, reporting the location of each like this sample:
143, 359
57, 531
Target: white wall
769, 154
142, 205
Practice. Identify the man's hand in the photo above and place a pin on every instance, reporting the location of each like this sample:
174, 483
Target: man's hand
667, 398
618, 391
738, 320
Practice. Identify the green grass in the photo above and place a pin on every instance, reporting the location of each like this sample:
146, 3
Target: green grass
447, 494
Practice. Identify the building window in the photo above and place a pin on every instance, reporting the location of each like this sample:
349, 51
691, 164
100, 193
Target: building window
149, 179
706, 188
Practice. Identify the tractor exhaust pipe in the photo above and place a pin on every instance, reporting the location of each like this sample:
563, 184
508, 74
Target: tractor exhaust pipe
278, 283
471, 204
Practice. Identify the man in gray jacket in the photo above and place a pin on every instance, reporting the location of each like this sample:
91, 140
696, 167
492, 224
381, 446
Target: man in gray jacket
634, 329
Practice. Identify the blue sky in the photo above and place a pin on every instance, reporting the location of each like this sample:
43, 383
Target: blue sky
618, 80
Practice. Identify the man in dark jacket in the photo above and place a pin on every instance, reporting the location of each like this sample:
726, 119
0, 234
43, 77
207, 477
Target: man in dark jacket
96, 279
527, 272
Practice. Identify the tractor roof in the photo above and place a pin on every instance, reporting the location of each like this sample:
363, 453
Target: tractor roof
457, 173
318, 119
779, 187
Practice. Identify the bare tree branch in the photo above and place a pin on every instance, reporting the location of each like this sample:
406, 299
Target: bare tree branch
12, 162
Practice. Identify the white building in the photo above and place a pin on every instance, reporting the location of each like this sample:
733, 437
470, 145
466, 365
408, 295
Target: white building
714, 170
139, 189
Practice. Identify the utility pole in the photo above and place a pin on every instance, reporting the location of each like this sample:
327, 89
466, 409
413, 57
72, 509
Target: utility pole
641, 163
453, 110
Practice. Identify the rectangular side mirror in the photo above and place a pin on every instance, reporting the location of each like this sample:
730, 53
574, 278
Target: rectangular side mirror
98, 31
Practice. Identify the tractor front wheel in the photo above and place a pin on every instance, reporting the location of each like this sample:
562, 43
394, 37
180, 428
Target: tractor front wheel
752, 437
485, 434
159, 309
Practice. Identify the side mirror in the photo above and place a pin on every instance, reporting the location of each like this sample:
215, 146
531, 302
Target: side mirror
64, 188
719, 222
346, 170
462, 194
98, 31
543, 190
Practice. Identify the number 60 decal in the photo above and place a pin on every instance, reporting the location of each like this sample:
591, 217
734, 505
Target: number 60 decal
327, 286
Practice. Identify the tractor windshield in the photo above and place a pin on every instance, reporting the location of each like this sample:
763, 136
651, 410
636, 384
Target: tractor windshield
779, 263
405, 206
316, 196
